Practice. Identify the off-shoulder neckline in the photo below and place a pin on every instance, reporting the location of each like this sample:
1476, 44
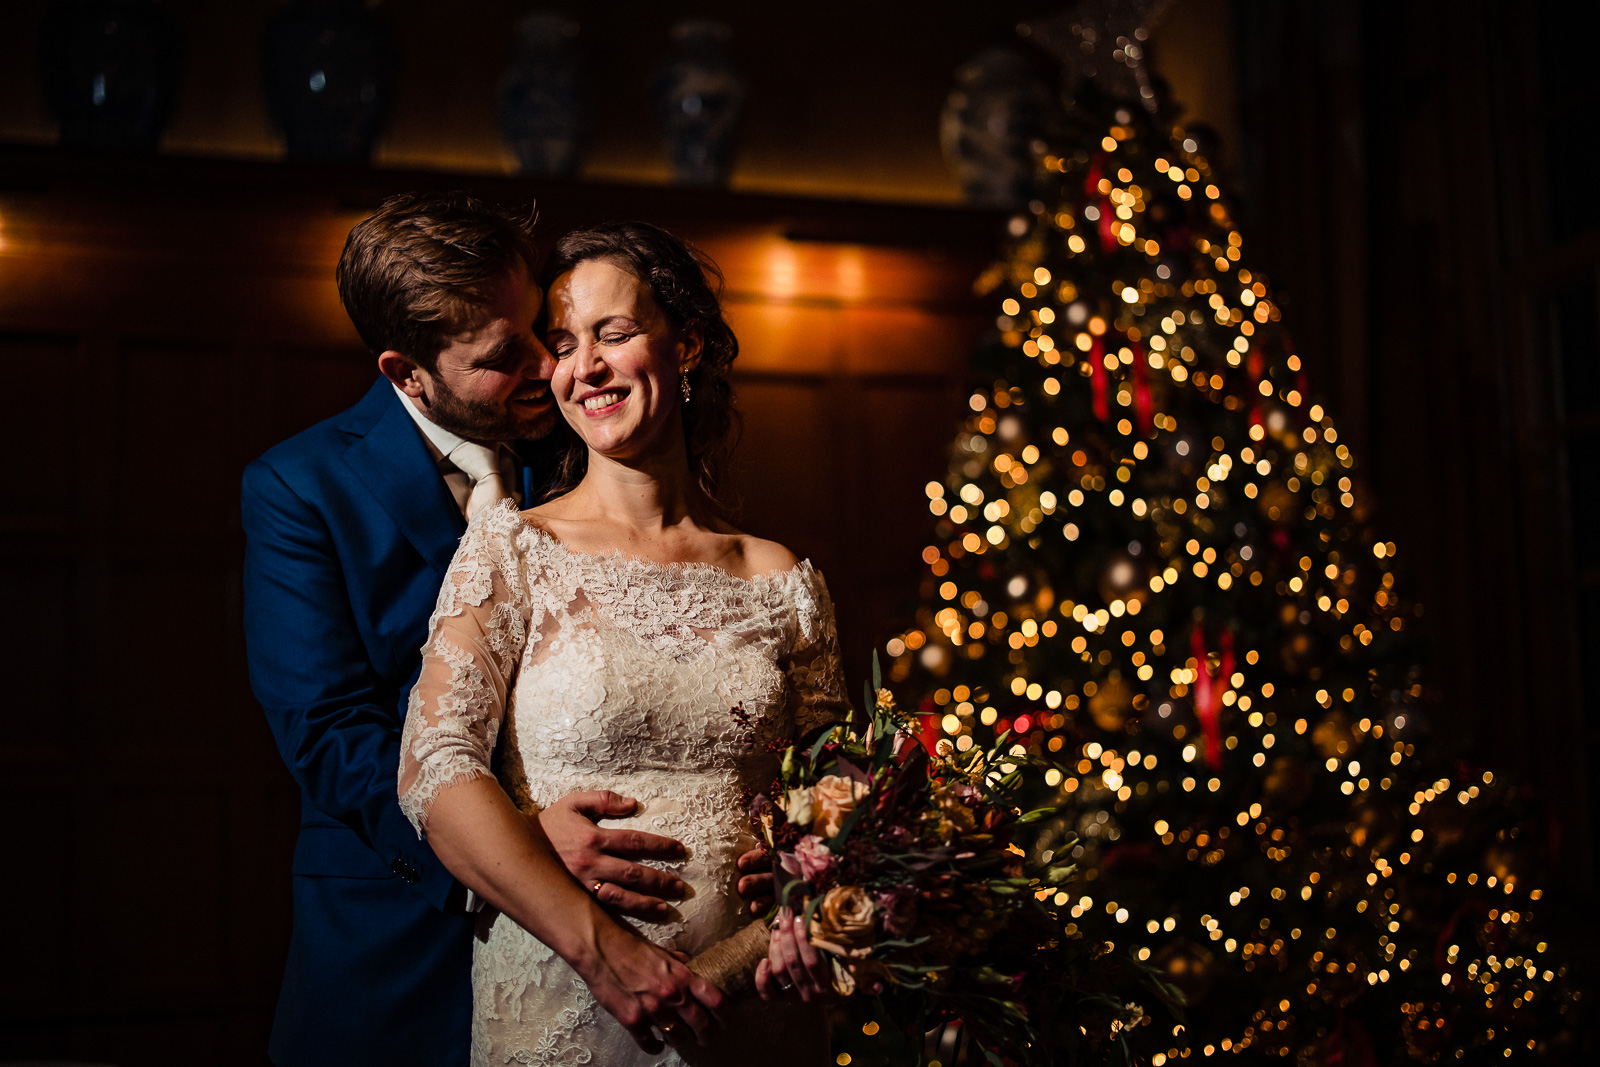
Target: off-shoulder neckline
802, 569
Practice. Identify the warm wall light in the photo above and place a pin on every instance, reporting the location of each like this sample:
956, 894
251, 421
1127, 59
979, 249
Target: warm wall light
852, 274
781, 271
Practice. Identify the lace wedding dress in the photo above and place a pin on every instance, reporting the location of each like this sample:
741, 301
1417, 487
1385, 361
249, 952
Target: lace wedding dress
594, 671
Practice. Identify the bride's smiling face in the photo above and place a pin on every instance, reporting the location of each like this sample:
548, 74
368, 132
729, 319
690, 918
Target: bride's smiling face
619, 360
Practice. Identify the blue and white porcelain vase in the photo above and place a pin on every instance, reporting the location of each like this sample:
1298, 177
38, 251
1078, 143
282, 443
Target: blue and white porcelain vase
999, 106
543, 102
699, 93
110, 70
329, 67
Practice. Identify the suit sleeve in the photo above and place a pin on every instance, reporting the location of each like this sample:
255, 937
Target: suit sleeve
335, 722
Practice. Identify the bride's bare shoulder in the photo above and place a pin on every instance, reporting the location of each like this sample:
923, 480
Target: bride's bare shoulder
552, 517
761, 556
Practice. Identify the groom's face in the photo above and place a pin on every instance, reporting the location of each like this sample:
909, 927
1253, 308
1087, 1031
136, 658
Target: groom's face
491, 381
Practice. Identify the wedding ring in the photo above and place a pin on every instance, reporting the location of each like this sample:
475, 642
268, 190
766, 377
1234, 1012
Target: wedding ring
595, 889
670, 1029
787, 987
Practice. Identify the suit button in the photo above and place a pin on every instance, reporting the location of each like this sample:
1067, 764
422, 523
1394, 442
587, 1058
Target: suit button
404, 870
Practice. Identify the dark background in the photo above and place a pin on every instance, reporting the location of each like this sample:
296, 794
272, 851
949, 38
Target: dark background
1417, 179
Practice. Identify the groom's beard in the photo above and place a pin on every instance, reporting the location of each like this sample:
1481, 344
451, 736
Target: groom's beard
479, 420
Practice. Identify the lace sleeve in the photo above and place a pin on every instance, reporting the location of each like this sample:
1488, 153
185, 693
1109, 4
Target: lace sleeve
813, 669
475, 640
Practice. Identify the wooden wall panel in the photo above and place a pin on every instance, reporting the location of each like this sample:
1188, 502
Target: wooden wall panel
783, 469
303, 385
40, 634
784, 338
170, 678
174, 439
44, 416
908, 341
158, 933
42, 837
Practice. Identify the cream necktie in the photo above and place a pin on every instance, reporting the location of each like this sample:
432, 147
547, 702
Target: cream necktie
482, 465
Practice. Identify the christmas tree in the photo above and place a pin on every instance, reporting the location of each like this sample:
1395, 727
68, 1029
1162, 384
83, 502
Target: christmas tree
1153, 564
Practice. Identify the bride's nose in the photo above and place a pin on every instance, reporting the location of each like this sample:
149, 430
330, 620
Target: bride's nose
590, 367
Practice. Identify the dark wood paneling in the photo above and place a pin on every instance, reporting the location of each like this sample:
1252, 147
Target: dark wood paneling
148, 914
304, 385
43, 836
41, 636
170, 677
44, 415
174, 439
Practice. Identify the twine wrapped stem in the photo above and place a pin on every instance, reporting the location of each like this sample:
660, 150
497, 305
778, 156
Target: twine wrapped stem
730, 964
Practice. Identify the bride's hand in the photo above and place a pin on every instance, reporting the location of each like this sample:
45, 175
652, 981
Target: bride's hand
792, 967
755, 883
646, 987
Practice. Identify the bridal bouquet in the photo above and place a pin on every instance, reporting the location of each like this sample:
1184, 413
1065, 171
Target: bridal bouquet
908, 864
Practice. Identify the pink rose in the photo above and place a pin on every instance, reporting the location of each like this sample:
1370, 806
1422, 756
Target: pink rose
815, 858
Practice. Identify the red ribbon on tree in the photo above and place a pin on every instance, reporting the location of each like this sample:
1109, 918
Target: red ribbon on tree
1098, 385
1209, 686
1349, 1045
1143, 407
1102, 202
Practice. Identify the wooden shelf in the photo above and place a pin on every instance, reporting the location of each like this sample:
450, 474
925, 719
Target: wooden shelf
33, 169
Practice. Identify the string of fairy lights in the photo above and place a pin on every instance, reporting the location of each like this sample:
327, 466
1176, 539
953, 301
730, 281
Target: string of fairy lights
1152, 564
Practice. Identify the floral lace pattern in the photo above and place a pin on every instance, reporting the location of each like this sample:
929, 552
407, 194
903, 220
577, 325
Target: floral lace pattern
601, 671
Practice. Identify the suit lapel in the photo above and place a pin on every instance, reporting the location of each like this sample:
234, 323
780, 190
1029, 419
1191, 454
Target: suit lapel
394, 463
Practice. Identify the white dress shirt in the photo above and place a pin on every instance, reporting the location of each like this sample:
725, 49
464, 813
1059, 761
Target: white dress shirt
441, 441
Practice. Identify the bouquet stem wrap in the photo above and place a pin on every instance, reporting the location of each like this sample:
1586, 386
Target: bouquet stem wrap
730, 964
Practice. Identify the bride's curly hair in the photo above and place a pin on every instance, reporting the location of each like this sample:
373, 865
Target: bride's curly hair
687, 286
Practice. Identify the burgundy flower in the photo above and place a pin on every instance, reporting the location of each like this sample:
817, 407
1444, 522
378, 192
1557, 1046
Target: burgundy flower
897, 910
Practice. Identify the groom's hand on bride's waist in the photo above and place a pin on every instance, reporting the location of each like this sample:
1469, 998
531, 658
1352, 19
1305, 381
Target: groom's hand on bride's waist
607, 861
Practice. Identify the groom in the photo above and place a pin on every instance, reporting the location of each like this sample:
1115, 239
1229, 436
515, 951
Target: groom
350, 526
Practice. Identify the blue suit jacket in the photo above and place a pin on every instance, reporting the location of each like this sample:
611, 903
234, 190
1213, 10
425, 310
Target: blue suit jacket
349, 532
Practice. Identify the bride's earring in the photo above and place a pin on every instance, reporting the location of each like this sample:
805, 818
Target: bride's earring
687, 392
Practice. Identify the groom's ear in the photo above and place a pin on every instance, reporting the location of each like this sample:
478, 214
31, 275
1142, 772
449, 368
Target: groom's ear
691, 341
404, 373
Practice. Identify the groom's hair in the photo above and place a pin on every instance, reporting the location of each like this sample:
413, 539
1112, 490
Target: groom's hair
413, 271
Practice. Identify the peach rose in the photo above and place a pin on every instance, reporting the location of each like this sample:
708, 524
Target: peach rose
845, 922
834, 799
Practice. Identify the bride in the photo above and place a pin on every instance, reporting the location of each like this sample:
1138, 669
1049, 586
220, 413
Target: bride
622, 636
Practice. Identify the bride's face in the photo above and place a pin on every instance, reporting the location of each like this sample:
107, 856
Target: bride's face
618, 360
